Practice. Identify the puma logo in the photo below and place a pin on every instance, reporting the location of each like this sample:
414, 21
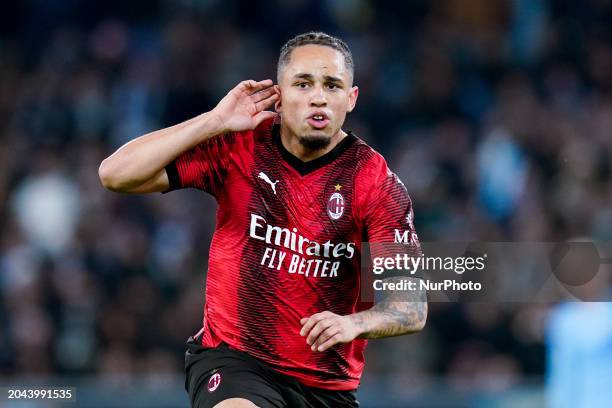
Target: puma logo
265, 178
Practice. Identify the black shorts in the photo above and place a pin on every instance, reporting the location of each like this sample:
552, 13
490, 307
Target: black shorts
216, 374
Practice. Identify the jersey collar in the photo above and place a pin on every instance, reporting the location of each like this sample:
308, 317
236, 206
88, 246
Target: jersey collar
303, 167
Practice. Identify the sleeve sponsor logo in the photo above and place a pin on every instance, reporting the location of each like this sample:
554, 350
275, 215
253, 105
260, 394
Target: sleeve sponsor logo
405, 237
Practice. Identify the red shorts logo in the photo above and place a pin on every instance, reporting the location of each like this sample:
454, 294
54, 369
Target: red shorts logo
214, 382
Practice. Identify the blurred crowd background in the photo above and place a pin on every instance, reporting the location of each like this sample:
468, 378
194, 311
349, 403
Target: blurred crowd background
497, 115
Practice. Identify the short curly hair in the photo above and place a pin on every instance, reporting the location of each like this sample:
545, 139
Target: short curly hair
315, 38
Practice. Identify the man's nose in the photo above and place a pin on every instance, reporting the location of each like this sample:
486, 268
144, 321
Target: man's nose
318, 98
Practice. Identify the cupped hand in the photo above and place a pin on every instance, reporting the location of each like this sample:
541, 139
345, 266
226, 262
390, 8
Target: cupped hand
243, 108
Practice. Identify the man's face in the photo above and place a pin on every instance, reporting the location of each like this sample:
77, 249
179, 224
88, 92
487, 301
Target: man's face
315, 94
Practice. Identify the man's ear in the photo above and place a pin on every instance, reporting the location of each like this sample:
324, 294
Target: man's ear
353, 94
277, 104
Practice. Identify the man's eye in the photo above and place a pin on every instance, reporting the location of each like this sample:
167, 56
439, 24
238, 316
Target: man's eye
302, 84
332, 86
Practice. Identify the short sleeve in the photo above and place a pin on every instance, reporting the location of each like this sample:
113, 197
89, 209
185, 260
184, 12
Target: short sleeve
204, 167
388, 213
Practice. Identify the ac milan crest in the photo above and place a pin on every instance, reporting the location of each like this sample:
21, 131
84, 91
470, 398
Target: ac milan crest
335, 206
214, 382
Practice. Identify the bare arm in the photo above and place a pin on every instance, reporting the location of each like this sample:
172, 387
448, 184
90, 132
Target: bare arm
398, 313
139, 165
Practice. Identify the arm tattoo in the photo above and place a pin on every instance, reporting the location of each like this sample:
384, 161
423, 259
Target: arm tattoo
400, 312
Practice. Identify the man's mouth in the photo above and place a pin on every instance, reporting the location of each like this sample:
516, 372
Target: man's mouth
318, 120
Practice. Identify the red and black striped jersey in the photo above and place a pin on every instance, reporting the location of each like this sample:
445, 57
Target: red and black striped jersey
287, 244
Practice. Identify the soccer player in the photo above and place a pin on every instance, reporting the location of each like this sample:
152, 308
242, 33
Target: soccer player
283, 322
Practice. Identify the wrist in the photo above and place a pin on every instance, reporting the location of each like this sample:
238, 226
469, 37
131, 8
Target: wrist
216, 122
357, 325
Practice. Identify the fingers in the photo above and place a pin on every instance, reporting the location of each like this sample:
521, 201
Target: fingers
323, 330
332, 341
332, 331
261, 116
266, 103
250, 86
309, 322
318, 328
326, 329
264, 94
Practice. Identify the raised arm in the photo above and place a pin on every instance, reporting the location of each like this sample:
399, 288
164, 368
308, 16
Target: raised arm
139, 165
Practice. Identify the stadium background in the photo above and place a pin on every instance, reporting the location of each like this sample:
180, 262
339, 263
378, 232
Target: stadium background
496, 114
